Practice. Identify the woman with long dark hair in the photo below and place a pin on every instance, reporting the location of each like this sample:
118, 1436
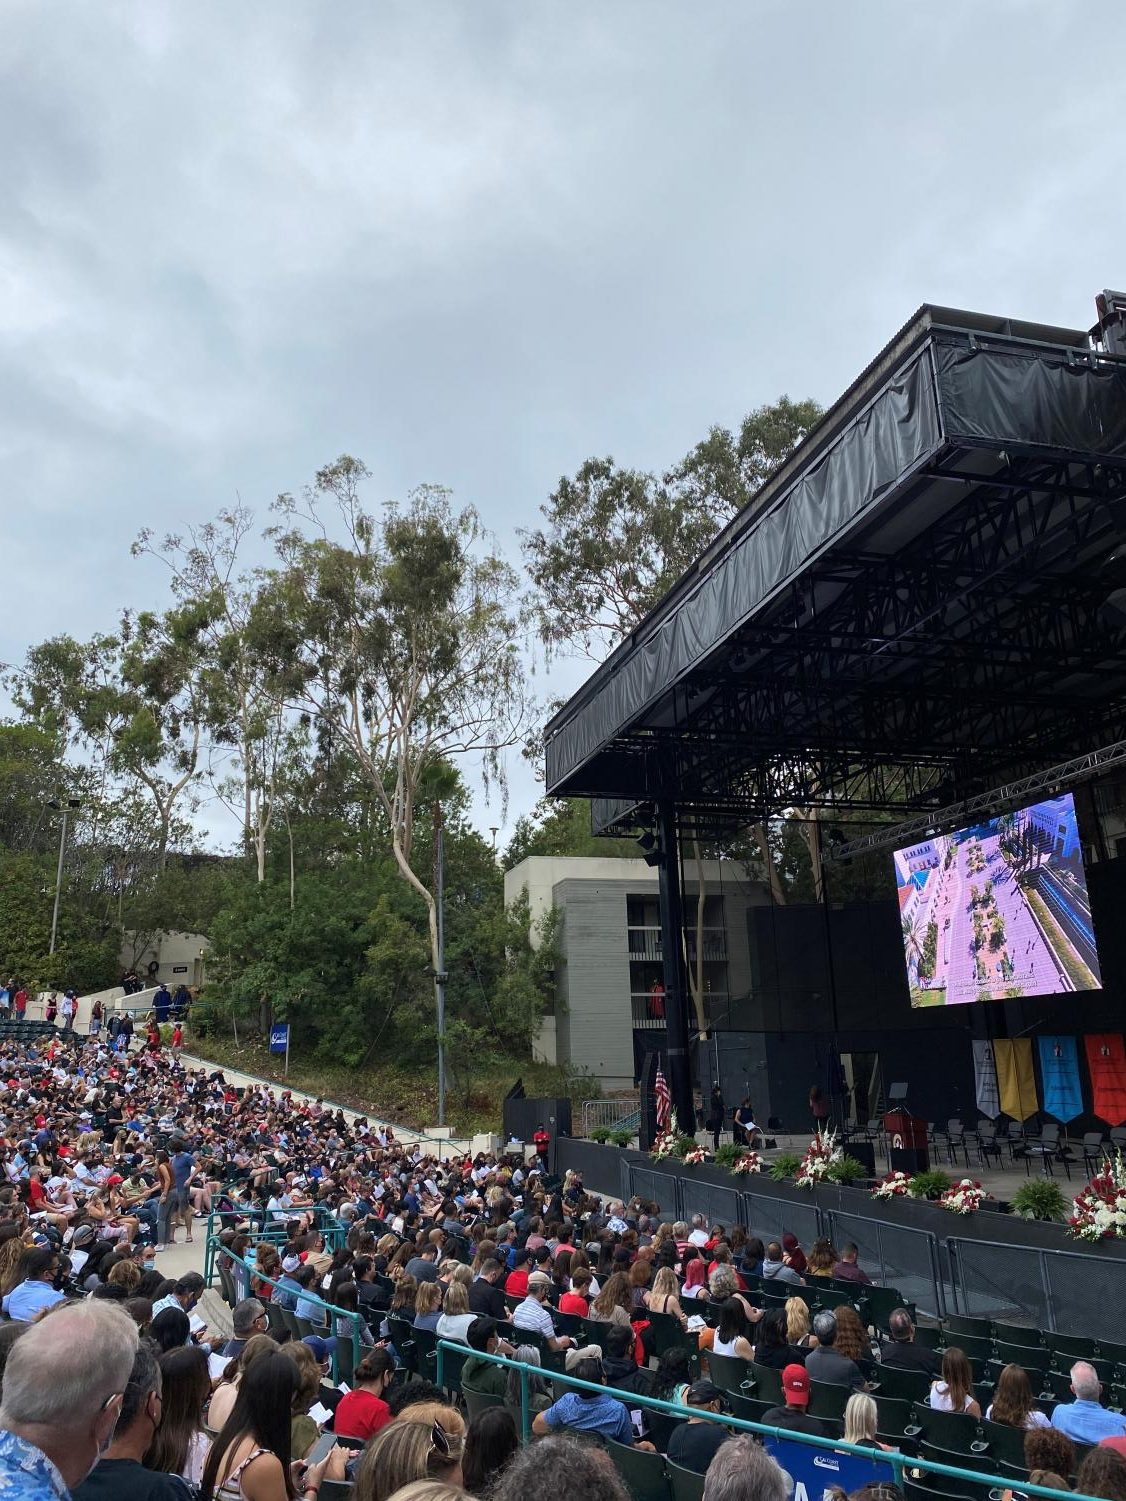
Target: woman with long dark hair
490, 1444
250, 1459
1013, 1403
179, 1445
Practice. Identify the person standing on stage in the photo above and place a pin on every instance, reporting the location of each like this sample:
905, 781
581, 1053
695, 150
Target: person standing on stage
717, 1115
819, 1109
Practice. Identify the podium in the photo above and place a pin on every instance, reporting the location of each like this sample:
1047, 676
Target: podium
907, 1142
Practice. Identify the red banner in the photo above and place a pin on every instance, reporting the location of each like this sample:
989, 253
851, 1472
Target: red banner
1106, 1062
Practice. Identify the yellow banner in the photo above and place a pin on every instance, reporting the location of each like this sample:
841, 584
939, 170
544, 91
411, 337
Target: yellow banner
1016, 1080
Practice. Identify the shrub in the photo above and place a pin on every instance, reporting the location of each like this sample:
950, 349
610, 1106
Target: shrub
600, 1133
621, 1138
1040, 1199
847, 1170
729, 1154
785, 1165
930, 1185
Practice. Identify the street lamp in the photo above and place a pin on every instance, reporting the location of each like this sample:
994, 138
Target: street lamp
66, 806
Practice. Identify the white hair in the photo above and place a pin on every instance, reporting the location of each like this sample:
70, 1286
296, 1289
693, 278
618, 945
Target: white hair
1085, 1382
60, 1372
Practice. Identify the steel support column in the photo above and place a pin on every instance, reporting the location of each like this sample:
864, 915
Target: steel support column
672, 951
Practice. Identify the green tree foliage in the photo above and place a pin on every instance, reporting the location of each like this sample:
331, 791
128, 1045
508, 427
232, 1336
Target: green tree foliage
562, 827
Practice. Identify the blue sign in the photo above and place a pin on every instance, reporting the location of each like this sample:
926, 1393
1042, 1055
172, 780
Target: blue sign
279, 1038
814, 1471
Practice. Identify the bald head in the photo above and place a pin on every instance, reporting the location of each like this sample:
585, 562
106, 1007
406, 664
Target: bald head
900, 1326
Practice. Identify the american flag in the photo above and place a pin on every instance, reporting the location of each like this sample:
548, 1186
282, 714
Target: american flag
664, 1102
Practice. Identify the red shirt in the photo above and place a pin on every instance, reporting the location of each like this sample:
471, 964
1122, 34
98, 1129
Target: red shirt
360, 1414
516, 1283
574, 1303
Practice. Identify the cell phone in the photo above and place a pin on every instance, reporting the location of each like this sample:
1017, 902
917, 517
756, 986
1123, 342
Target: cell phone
321, 1449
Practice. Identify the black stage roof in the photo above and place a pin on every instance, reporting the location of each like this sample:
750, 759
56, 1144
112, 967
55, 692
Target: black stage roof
913, 608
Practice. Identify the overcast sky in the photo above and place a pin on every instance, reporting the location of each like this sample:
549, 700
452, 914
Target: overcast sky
474, 243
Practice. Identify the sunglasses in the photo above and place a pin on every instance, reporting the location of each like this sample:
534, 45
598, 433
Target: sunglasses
446, 1445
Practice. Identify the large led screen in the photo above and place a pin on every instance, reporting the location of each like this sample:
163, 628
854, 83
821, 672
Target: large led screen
998, 910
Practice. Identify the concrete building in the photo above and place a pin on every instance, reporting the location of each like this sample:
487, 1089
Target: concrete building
609, 1002
174, 958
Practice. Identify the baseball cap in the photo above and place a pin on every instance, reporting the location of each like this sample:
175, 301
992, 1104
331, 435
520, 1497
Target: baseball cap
321, 1348
795, 1384
113, 1180
539, 1279
702, 1392
290, 1263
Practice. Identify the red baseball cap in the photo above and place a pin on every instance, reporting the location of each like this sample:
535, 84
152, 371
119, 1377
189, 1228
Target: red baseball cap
795, 1384
114, 1179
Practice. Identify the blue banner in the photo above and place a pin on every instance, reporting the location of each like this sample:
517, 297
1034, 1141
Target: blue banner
815, 1471
1062, 1092
279, 1037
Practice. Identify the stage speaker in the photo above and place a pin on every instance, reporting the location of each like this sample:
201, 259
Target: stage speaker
864, 1152
909, 1160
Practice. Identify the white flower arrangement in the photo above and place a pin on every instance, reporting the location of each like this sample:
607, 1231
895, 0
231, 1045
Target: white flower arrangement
664, 1145
695, 1156
821, 1154
747, 1162
896, 1185
964, 1197
1100, 1208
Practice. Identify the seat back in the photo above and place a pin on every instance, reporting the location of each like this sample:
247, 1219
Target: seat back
642, 1472
686, 1484
1018, 1334
1005, 1443
827, 1399
728, 1371
910, 1386
954, 1431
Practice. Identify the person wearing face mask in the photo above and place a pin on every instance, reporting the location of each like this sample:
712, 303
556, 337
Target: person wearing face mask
64, 1384
38, 1272
120, 1474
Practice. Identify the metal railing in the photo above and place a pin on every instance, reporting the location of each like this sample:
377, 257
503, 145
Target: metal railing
333, 1314
644, 942
990, 1278
903, 1465
594, 1113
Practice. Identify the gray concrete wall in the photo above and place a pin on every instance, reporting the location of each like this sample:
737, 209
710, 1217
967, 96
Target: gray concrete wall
596, 1028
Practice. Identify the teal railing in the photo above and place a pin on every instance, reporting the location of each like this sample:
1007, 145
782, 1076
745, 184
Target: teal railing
904, 1466
333, 1315
334, 1231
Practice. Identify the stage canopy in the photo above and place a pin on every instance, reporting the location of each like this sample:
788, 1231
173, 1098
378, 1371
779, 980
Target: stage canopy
925, 600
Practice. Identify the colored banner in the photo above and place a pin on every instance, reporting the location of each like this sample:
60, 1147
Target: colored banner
279, 1037
1059, 1076
817, 1474
1106, 1063
1015, 1077
985, 1081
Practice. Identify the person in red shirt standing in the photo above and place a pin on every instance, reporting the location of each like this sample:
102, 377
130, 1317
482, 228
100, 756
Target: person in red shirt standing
19, 1002
362, 1412
542, 1143
177, 1041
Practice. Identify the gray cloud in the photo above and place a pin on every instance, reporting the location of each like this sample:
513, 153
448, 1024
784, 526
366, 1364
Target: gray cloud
475, 242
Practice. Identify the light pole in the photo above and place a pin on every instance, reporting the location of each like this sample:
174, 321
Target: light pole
440, 975
57, 803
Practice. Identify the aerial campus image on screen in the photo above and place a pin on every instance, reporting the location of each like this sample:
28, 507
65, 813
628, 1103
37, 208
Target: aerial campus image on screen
1000, 909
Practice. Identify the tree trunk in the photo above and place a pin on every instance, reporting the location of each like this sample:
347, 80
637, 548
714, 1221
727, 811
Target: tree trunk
762, 839
292, 882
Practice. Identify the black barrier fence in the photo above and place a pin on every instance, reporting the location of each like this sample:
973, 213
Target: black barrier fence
895, 1256
1059, 1290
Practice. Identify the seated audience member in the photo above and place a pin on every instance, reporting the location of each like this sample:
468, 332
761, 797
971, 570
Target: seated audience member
772, 1345
860, 1419
533, 1314
428, 1306
795, 1392
619, 1368
575, 1300
954, 1391
577, 1470
1013, 1403
793, 1253
403, 1452
852, 1341
224, 1395
250, 1458
456, 1317
775, 1267
901, 1353
743, 1471
1048, 1451
1102, 1473
693, 1445
540, 1392
664, 1296
362, 1412
248, 1319
179, 1446
491, 1444
482, 1375
825, 1363
821, 1259
1085, 1420
53, 1426
485, 1294
120, 1474
36, 1275
733, 1332
588, 1412
846, 1269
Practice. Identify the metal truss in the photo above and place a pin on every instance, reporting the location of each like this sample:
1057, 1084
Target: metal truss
900, 677
958, 815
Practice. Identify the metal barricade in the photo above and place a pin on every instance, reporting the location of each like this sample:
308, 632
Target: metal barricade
898, 1256
718, 1205
1058, 1290
770, 1218
660, 1188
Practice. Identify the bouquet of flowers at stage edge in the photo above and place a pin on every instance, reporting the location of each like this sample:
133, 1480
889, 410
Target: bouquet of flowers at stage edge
894, 1186
667, 1144
964, 1197
695, 1155
1100, 1208
747, 1162
821, 1154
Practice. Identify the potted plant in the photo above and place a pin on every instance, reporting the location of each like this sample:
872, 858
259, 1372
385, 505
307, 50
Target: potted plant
931, 1184
847, 1171
1040, 1199
784, 1166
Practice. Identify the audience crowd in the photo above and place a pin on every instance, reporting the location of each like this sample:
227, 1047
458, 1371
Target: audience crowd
113, 1386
